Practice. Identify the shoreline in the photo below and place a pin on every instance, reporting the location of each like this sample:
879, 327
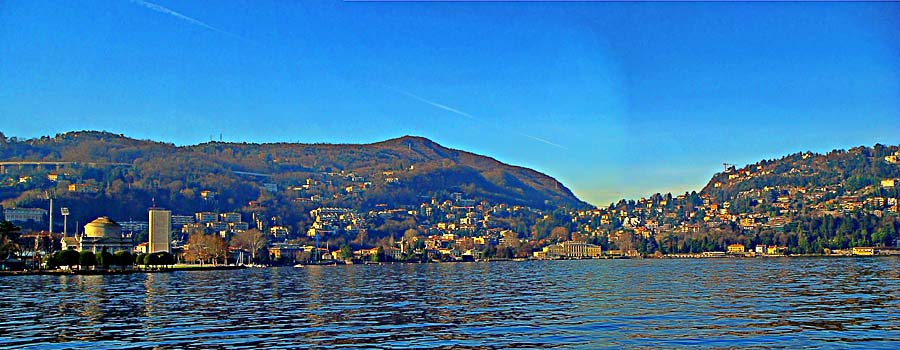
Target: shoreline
242, 267
118, 272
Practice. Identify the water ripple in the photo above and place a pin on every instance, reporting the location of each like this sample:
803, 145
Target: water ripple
753, 303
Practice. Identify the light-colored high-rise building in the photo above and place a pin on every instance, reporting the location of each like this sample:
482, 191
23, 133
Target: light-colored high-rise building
160, 230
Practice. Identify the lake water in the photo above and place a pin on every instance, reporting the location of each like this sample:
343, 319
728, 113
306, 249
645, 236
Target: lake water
746, 303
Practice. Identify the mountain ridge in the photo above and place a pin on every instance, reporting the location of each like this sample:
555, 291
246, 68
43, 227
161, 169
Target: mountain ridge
412, 157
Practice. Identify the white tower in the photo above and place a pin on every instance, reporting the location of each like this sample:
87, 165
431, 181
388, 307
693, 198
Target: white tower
160, 230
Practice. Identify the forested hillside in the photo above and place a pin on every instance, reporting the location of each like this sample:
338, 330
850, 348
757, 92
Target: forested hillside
118, 176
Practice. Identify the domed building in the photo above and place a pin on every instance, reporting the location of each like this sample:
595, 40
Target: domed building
102, 233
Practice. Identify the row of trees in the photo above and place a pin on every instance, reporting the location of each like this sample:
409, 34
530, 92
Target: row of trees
87, 259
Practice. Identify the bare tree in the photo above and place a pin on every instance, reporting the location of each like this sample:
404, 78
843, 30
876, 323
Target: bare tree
202, 247
250, 240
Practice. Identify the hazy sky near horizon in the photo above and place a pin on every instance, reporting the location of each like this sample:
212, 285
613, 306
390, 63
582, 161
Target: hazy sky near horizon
613, 99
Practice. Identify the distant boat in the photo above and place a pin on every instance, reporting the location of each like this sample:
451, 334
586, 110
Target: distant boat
320, 263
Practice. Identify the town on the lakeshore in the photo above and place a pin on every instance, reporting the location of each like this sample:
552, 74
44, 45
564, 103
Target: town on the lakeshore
759, 219
467, 231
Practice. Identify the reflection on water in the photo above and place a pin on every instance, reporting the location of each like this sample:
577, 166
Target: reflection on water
785, 303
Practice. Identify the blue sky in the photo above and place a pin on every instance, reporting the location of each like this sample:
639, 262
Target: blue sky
613, 99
